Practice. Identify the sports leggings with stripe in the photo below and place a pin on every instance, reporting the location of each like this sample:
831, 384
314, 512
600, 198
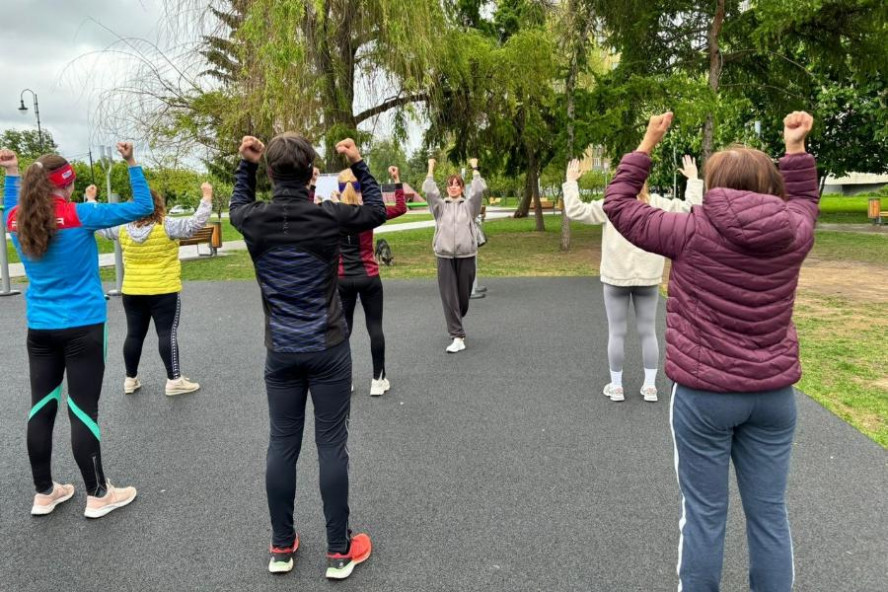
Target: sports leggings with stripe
79, 353
165, 310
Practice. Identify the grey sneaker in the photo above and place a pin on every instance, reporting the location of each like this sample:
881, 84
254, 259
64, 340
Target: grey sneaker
614, 392
180, 386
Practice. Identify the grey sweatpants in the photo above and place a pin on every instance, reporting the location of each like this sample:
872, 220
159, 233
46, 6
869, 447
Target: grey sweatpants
616, 303
455, 278
755, 431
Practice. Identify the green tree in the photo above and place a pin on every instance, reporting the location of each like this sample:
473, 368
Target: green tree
27, 144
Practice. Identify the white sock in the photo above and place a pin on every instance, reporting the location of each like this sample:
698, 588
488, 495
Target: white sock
650, 377
617, 378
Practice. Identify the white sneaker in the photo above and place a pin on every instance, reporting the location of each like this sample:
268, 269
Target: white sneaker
131, 385
116, 497
45, 503
458, 345
614, 392
649, 393
180, 386
379, 387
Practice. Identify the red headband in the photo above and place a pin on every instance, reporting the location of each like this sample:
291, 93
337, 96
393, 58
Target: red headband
63, 176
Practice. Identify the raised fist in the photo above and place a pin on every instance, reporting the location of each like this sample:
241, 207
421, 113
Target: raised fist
126, 151
8, 160
796, 126
90, 193
395, 174
251, 149
432, 163
657, 127
207, 191
349, 149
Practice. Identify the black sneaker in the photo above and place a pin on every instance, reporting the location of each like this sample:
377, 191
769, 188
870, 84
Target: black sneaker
282, 558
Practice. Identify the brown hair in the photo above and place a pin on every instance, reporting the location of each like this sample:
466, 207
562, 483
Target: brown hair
458, 178
349, 195
290, 156
36, 223
745, 169
155, 217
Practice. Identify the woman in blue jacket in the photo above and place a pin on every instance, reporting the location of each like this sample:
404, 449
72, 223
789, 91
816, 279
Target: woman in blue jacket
66, 315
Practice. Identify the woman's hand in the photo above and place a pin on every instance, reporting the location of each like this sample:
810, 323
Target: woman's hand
689, 167
656, 129
473, 162
251, 149
9, 162
90, 194
432, 163
796, 126
574, 171
349, 149
395, 174
126, 152
207, 191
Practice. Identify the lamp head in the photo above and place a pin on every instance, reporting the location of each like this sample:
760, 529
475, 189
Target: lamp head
22, 109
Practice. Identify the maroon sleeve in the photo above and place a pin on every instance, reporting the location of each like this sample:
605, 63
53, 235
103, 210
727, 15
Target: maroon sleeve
646, 227
400, 207
802, 190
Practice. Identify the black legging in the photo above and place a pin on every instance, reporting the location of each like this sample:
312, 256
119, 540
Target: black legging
370, 291
81, 353
164, 309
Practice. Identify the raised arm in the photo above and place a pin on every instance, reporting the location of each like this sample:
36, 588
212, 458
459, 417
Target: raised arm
9, 163
799, 171
476, 189
244, 192
372, 213
648, 228
400, 207
587, 213
95, 216
186, 227
430, 188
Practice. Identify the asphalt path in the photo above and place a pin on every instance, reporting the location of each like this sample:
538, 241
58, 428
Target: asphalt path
502, 468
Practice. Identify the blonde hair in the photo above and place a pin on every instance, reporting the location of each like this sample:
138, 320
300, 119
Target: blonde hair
349, 195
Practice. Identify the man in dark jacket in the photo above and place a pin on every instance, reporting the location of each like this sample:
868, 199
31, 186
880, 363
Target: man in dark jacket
294, 245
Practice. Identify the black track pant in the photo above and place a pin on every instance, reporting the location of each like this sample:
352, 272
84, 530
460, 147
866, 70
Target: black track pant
165, 310
289, 378
370, 291
455, 279
79, 352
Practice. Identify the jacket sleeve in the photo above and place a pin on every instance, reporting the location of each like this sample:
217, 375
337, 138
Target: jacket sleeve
803, 194
10, 195
186, 227
432, 194
95, 216
364, 217
244, 193
587, 213
646, 227
400, 207
476, 192
112, 233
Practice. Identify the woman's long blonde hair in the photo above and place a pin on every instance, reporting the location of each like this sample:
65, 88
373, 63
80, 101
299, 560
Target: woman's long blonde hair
348, 195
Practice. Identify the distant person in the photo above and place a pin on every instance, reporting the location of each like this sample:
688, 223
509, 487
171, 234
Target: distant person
455, 244
359, 273
731, 347
90, 194
66, 316
152, 287
629, 274
294, 245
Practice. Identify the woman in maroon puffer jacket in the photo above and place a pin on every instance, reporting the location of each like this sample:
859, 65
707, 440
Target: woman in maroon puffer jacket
731, 347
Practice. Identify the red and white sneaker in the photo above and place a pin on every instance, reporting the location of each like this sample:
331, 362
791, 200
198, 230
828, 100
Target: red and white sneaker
341, 565
282, 558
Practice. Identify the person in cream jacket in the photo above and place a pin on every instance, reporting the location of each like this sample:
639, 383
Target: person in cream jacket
628, 273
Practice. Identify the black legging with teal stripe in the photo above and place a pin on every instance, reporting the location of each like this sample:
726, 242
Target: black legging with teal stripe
79, 352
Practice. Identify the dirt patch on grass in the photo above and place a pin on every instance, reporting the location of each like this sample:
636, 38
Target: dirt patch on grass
853, 281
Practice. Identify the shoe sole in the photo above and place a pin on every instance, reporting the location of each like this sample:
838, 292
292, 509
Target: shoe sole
280, 567
181, 392
44, 510
129, 391
650, 399
374, 393
341, 574
105, 510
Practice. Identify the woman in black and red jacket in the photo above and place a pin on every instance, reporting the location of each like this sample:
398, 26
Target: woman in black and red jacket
359, 273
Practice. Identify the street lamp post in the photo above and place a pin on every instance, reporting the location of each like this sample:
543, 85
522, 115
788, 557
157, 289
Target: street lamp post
113, 198
23, 110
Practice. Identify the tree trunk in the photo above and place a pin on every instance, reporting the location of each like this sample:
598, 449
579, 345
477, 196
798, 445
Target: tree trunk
526, 199
715, 68
537, 206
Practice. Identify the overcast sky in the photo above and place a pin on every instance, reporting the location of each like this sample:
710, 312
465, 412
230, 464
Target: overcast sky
58, 48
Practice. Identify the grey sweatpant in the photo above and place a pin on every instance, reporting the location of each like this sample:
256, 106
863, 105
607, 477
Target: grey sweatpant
755, 431
455, 278
616, 303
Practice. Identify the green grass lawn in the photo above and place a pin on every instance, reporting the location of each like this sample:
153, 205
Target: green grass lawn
837, 209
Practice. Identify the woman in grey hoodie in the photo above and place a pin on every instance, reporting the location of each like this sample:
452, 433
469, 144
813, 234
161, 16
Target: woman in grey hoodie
455, 245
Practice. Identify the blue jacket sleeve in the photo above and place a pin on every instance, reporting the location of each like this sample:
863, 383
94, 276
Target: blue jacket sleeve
244, 193
365, 217
10, 195
94, 216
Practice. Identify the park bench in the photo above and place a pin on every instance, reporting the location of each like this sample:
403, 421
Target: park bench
208, 235
546, 203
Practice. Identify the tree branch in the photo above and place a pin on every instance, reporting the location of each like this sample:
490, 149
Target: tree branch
390, 104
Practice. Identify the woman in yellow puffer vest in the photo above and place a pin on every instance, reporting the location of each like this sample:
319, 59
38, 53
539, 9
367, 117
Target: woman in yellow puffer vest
152, 282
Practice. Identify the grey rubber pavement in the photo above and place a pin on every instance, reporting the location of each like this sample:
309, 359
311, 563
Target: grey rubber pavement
501, 468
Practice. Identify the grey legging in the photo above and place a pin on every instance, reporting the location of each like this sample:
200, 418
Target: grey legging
616, 302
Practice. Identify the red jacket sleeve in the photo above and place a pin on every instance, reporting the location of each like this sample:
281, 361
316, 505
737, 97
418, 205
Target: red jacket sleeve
400, 207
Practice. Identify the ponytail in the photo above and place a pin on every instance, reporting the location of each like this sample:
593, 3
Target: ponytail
36, 221
348, 194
